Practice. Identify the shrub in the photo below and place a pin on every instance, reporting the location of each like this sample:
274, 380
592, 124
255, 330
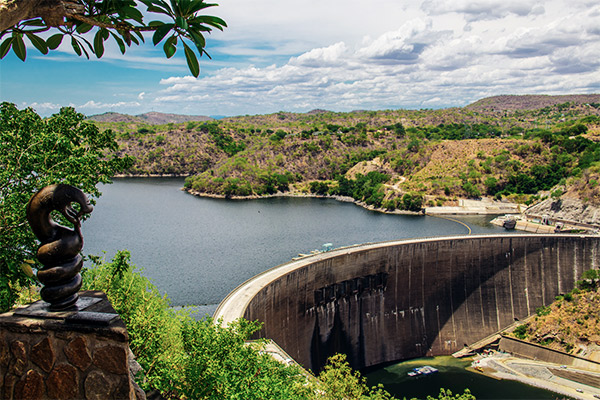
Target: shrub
520, 331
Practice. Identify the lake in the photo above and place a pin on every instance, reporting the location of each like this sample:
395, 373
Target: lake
196, 250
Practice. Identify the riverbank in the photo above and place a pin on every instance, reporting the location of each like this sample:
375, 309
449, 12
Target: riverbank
465, 206
540, 374
296, 194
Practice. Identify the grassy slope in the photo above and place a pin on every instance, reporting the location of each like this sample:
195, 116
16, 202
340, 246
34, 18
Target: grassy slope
334, 142
570, 324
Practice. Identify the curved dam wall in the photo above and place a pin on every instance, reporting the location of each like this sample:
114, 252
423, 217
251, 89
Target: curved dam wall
398, 300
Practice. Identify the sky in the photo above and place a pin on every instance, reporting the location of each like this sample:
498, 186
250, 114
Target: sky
338, 55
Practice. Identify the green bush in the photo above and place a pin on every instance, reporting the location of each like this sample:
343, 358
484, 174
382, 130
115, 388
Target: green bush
520, 331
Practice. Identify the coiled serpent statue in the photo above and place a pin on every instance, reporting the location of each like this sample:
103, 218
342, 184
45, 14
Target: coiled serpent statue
60, 245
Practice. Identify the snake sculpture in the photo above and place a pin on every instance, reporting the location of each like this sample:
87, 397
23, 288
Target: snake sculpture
60, 245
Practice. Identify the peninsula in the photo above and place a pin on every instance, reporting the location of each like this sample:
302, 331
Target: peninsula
506, 149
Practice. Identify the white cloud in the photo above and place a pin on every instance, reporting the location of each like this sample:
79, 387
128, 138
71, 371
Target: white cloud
349, 54
94, 105
483, 10
427, 61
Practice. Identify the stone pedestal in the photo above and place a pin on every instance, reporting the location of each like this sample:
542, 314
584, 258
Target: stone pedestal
81, 354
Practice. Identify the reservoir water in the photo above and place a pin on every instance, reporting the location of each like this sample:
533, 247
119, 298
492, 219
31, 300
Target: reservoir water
452, 376
196, 250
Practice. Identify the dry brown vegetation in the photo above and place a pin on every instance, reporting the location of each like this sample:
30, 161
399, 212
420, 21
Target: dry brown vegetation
441, 154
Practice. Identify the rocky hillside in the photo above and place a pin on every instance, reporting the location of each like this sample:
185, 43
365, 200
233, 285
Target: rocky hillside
571, 323
531, 102
151, 118
379, 157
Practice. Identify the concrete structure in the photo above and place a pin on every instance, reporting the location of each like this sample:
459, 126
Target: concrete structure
535, 351
399, 300
76, 355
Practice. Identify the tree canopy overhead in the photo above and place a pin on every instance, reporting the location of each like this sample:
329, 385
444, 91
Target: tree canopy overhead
90, 23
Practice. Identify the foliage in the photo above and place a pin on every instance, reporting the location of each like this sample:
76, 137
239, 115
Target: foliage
412, 202
343, 383
223, 141
35, 153
447, 395
367, 188
520, 331
589, 280
320, 188
122, 21
184, 358
152, 326
452, 152
541, 311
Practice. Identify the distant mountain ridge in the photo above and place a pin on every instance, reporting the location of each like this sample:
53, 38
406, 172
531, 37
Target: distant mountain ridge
152, 118
530, 102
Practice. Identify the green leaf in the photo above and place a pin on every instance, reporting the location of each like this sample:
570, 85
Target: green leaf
84, 27
160, 33
139, 34
134, 14
54, 41
34, 22
197, 5
38, 42
158, 6
169, 46
5, 47
76, 46
211, 20
99, 44
198, 40
119, 42
191, 59
18, 46
181, 22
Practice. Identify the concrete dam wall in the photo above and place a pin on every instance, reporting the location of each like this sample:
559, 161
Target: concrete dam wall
399, 300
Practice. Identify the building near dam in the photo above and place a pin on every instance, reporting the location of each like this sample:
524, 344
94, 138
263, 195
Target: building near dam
398, 300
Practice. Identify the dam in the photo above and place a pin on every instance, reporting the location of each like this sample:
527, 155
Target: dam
398, 300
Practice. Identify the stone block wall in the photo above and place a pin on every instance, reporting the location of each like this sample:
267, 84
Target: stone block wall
58, 359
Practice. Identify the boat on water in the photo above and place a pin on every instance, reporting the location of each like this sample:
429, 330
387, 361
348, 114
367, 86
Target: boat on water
509, 223
422, 371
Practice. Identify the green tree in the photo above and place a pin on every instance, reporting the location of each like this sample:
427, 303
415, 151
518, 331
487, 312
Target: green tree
122, 21
341, 382
35, 153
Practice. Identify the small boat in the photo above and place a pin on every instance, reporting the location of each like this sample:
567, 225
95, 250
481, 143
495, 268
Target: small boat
422, 371
509, 223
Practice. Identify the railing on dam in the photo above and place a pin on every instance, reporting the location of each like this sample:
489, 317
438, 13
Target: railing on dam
397, 300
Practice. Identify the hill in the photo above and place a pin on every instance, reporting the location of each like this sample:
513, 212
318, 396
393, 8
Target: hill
152, 118
531, 102
389, 159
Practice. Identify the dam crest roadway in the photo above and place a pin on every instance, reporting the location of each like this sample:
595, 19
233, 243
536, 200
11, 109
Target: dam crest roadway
397, 300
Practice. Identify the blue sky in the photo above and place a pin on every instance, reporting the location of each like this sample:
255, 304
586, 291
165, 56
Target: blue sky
338, 55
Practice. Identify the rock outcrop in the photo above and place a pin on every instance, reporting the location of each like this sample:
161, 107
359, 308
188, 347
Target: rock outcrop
567, 210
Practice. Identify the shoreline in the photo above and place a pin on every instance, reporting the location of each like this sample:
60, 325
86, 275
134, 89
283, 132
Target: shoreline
343, 199
535, 373
467, 207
